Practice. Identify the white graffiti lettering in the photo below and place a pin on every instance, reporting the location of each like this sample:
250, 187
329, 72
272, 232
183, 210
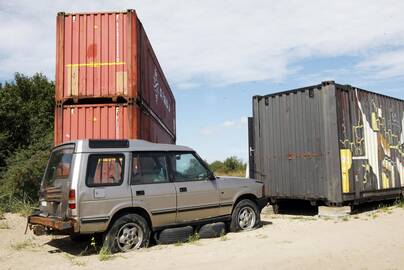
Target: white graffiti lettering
158, 91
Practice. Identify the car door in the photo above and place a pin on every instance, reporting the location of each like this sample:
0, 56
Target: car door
152, 188
197, 195
104, 190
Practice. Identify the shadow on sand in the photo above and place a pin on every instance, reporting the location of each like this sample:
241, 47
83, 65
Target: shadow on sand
296, 208
370, 206
76, 248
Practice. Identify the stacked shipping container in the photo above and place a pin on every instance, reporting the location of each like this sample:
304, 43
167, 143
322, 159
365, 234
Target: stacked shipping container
109, 84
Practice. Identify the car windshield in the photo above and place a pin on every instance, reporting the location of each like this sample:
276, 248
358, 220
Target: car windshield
58, 166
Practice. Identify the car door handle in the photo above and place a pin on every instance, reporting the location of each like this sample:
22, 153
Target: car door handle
183, 189
139, 192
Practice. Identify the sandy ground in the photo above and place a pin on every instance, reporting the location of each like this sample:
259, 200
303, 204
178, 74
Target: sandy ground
370, 240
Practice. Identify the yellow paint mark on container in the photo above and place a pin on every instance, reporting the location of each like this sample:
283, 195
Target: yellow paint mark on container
96, 64
346, 164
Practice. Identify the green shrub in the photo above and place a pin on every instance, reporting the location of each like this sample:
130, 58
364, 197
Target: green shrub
232, 166
26, 137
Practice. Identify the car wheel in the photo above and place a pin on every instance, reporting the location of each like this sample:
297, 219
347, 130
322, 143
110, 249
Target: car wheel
245, 216
128, 232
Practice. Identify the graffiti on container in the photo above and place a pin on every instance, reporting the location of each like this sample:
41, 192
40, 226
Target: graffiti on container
158, 91
375, 144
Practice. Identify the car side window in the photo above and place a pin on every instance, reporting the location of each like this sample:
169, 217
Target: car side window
149, 168
105, 170
186, 167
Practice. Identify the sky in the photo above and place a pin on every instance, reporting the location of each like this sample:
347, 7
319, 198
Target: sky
216, 55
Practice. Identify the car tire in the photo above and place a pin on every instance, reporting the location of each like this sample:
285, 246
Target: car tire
174, 235
127, 233
245, 216
212, 230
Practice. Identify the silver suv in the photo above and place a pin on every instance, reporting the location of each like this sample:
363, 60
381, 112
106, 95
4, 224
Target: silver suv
128, 189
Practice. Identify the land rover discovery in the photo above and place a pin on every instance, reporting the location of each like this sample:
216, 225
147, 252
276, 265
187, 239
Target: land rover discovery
129, 189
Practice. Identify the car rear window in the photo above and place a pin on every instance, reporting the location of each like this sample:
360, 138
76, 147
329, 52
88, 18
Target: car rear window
59, 166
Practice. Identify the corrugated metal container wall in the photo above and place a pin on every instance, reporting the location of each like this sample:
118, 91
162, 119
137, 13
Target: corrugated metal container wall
156, 91
93, 56
107, 121
316, 143
108, 55
295, 144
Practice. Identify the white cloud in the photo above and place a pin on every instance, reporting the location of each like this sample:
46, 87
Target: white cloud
384, 65
219, 42
240, 123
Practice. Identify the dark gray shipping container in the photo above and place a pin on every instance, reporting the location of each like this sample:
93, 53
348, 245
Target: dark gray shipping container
329, 143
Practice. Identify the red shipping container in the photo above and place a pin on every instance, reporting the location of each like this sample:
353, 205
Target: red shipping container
107, 121
108, 55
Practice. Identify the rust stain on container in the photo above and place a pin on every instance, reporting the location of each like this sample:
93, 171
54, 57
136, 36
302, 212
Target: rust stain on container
107, 121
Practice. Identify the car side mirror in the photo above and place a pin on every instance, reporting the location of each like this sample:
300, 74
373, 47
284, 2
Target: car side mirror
211, 176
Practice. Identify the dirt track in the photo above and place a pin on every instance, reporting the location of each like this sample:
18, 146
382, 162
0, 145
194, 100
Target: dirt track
371, 240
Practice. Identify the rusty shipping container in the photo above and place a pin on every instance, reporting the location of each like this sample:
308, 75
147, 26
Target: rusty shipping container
107, 121
330, 144
108, 56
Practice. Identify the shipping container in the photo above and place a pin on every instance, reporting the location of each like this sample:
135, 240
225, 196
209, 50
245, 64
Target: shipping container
329, 143
108, 55
107, 121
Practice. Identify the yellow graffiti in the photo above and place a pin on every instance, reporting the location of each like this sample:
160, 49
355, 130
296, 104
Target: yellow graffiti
356, 145
346, 163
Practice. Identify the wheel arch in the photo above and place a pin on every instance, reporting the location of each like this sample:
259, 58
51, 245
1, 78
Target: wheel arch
248, 196
131, 210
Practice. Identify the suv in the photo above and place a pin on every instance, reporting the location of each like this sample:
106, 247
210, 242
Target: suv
127, 189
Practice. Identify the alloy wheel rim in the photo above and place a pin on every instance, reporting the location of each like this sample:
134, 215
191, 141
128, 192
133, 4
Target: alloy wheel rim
246, 218
130, 236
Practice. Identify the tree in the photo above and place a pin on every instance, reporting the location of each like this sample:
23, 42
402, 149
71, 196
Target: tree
233, 164
26, 132
216, 166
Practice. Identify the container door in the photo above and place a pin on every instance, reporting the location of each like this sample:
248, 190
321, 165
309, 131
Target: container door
251, 148
197, 195
151, 187
105, 190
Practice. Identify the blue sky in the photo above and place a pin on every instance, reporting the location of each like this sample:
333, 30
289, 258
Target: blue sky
218, 54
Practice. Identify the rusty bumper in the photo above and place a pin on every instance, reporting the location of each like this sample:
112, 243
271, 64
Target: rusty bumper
51, 223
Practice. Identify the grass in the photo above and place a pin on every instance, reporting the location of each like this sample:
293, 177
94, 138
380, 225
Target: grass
4, 225
194, 238
178, 244
400, 203
12, 204
223, 236
302, 218
239, 173
24, 245
73, 260
105, 254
